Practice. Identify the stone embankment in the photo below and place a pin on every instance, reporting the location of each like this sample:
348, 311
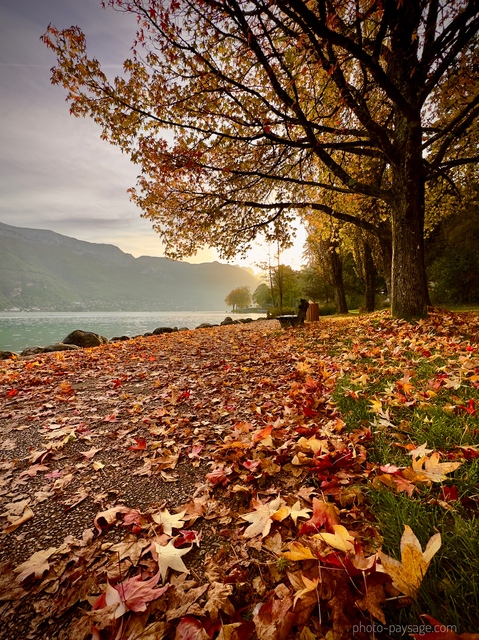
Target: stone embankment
79, 339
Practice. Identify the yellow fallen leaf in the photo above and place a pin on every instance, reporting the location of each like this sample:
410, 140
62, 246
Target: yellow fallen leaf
433, 469
297, 552
341, 539
309, 586
407, 575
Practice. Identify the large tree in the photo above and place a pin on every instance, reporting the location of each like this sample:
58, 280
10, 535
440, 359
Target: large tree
262, 99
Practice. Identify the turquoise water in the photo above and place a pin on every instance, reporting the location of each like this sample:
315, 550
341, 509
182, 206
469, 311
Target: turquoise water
19, 330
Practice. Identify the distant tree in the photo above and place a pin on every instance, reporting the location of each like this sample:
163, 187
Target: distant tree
286, 286
262, 296
453, 254
239, 298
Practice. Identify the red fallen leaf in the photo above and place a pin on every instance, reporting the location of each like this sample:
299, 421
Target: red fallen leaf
195, 451
137, 593
325, 514
218, 476
139, 446
274, 619
335, 460
132, 517
470, 409
190, 628
469, 452
309, 413
449, 493
188, 537
263, 434
306, 431
117, 383
12, 393
252, 465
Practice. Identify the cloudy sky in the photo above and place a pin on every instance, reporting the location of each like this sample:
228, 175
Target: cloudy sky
55, 172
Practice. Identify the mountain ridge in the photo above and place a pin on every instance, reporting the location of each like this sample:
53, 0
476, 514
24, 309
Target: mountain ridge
47, 271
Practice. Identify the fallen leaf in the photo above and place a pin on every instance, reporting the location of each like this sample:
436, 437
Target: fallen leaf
407, 575
36, 564
218, 600
341, 539
16, 522
169, 521
169, 557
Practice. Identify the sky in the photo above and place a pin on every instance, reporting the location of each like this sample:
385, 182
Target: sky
55, 171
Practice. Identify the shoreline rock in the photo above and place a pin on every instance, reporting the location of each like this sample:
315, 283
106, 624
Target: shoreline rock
80, 339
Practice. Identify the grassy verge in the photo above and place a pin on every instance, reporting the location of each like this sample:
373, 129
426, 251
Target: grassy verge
412, 391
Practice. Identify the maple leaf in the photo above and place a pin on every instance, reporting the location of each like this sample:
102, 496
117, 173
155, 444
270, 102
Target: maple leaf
308, 587
36, 564
132, 549
169, 521
91, 452
297, 552
136, 593
262, 518
139, 446
274, 619
418, 452
325, 514
433, 471
190, 628
169, 556
104, 519
297, 512
341, 539
218, 600
407, 575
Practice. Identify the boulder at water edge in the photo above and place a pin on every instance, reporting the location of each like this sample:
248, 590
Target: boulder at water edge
85, 339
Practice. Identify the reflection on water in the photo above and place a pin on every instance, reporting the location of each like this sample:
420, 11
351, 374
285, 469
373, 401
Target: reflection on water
31, 329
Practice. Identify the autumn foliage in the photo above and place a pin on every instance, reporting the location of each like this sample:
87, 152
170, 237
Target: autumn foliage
205, 484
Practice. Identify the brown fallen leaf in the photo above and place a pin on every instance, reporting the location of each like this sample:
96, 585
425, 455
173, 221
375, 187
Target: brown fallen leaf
36, 564
407, 575
16, 522
218, 600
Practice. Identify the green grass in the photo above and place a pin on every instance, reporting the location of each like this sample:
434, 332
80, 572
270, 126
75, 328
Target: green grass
450, 590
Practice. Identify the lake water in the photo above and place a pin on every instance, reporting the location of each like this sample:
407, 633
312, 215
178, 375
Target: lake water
19, 330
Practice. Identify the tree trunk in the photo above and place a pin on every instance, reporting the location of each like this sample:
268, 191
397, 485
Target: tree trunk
338, 284
409, 293
385, 254
410, 296
370, 277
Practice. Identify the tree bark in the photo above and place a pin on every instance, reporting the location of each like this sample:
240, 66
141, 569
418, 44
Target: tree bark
370, 278
338, 283
410, 296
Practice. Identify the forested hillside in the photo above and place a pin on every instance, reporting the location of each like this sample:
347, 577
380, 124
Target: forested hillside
47, 271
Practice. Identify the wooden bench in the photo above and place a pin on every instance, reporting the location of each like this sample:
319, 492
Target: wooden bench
292, 320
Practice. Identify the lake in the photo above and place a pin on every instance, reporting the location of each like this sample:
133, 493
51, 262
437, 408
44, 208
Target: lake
19, 330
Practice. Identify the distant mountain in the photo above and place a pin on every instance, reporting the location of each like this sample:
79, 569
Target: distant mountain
46, 271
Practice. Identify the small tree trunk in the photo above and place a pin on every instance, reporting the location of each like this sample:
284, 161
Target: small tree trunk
338, 284
385, 254
370, 273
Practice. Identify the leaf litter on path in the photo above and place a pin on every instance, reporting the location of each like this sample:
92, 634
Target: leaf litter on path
199, 457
